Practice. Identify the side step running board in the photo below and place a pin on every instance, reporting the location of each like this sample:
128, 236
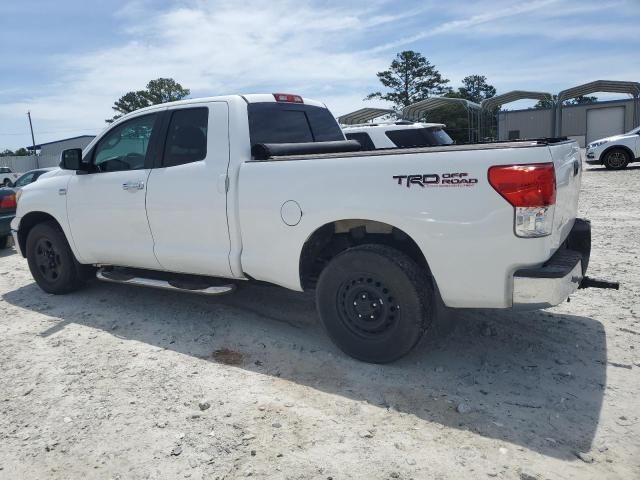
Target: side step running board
114, 276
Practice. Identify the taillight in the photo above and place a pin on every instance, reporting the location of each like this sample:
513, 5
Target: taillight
287, 97
8, 201
531, 189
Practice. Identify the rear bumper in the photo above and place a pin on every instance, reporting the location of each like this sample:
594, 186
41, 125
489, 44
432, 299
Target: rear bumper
559, 277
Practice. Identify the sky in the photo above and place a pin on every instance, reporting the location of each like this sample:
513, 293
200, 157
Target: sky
67, 61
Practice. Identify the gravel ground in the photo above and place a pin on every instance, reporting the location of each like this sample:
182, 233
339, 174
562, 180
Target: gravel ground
116, 382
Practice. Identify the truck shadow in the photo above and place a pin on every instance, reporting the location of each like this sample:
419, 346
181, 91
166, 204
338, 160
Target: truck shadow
533, 379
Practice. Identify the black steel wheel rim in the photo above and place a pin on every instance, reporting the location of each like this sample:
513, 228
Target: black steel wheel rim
48, 260
366, 306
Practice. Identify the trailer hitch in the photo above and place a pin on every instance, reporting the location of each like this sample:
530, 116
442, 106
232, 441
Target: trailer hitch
588, 282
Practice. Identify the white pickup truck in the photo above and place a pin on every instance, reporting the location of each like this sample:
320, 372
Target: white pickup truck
8, 177
200, 195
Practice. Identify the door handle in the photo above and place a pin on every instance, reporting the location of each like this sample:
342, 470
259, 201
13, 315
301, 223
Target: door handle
133, 186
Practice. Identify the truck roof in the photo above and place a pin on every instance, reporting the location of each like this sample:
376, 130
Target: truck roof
248, 98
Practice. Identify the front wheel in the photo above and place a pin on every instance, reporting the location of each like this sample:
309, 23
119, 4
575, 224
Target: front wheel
375, 302
616, 159
52, 264
6, 183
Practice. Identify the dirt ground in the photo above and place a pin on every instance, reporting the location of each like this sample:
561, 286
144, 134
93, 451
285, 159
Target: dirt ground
126, 383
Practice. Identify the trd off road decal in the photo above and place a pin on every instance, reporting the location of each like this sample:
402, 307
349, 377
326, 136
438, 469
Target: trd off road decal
436, 180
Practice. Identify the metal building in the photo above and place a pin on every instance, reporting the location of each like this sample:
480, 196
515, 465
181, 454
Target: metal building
584, 123
50, 152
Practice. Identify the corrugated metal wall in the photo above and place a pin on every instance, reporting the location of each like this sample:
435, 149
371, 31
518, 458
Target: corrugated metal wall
19, 164
49, 155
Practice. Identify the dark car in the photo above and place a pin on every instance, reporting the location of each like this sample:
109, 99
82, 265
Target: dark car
8, 202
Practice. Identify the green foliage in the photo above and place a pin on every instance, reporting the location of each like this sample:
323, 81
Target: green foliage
21, 152
475, 88
410, 78
160, 90
581, 100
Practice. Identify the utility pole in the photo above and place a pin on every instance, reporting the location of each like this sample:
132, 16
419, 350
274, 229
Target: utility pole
33, 140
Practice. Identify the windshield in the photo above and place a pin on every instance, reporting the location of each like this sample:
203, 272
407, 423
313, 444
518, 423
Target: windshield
419, 137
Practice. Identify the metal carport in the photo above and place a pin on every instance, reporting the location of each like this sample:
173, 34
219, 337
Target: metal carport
609, 86
364, 115
489, 105
417, 111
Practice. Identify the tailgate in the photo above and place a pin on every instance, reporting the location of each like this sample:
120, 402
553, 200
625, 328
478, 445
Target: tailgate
568, 165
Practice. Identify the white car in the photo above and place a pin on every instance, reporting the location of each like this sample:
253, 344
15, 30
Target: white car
202, 194
400, 134
8, 177
615, 152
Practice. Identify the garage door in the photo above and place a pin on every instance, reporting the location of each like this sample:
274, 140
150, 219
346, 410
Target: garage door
604, 122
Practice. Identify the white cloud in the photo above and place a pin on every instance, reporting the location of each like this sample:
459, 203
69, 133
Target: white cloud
322, 50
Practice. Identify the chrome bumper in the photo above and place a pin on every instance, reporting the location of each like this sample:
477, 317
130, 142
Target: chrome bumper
530, 293
559, 277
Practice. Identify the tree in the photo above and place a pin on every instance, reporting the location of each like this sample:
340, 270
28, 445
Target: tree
410, 78
475, 89
160, 90
21, 152
580, 100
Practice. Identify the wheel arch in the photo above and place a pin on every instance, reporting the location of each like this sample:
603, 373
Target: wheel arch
29, 221
617, 147
332, 238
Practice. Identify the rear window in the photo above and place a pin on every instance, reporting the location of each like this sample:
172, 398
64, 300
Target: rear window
363, 139
419, 137
291, 123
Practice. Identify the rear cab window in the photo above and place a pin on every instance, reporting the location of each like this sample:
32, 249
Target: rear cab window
276, 122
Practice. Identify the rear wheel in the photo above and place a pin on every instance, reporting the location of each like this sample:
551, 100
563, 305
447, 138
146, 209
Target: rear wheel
616, 159
51, 261
375, 302
6, 183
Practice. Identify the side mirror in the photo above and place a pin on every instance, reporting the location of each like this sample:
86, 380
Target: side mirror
71, 159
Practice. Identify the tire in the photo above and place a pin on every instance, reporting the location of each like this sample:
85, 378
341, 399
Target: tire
616, 159
52, 264
4, 242
380, 282
6, 183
